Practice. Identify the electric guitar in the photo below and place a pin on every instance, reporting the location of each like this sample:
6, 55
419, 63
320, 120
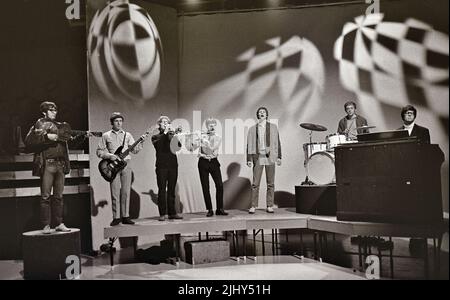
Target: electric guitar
62, 129
109, 168
66, 133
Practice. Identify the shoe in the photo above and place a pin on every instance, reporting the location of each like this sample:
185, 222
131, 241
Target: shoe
221, 212
175, 217
128, 221
269, 209
115, 222
162, 218
62, 228
251, 210
210, 213
47, 230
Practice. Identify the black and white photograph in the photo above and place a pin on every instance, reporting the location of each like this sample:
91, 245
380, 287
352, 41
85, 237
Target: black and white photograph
224, 146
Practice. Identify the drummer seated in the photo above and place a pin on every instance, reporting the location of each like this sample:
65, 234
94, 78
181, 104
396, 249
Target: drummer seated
348, 125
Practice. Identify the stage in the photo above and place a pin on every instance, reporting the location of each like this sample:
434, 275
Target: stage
283, 218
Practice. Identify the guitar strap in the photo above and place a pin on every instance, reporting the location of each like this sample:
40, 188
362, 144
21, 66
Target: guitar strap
124, 138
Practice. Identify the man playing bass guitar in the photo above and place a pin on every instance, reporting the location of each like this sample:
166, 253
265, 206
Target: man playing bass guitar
120, 184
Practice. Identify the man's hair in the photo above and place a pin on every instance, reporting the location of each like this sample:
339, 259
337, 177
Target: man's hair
210, 121
406, 108
348, 103
115, 115
47, 105
161, 118
264, 108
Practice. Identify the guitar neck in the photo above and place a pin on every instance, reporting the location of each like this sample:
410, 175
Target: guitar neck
129, 149
77, 132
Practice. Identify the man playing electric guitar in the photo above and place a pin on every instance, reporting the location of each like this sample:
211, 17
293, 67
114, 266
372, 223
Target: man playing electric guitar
50, 163
121, 183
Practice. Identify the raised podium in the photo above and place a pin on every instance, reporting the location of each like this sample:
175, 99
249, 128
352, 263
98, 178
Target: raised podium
51, 256
391, 181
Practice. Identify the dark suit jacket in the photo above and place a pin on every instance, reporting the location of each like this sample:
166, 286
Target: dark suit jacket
421, 133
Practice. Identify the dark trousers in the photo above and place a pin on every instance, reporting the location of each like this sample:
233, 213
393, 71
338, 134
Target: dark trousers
206, 167
167, 181
52, 177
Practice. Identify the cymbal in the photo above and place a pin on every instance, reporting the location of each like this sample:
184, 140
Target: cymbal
366, 127
313, 127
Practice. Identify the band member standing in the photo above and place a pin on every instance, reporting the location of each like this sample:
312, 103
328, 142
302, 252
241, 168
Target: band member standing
166, 144
121, 185
263, 152
51, 163
349, 123
209, 164
409, 114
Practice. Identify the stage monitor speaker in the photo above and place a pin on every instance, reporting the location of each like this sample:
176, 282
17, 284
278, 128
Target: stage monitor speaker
316, 199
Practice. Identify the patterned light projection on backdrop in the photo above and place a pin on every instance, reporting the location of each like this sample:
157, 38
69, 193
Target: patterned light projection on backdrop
125, 52
396, 64
291, 71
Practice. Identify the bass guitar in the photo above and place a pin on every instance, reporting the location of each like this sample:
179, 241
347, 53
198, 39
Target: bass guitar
109, 168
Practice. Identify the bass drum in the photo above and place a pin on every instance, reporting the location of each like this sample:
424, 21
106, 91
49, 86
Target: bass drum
311, 148
320, 168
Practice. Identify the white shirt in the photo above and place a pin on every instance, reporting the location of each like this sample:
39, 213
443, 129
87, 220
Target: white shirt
262, 137
111, 140
409, 128
212, 150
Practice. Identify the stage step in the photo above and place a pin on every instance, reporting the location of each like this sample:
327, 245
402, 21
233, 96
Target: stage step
16, 179
27, 175
36, 191
29, 157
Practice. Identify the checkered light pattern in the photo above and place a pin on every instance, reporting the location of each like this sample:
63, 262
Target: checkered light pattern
125, 52
294, 66
395, 63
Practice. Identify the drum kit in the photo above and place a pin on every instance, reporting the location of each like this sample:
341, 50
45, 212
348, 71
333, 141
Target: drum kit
319, 157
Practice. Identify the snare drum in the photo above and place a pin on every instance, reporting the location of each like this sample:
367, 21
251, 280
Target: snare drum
311, 148
335, 139
320, 168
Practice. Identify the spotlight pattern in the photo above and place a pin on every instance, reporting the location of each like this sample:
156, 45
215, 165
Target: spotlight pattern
125, 52
395, 63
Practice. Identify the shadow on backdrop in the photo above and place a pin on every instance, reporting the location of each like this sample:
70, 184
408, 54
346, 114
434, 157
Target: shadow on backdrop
236, 189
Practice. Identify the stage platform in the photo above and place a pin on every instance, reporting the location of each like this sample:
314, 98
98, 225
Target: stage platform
198, 222
283, 218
